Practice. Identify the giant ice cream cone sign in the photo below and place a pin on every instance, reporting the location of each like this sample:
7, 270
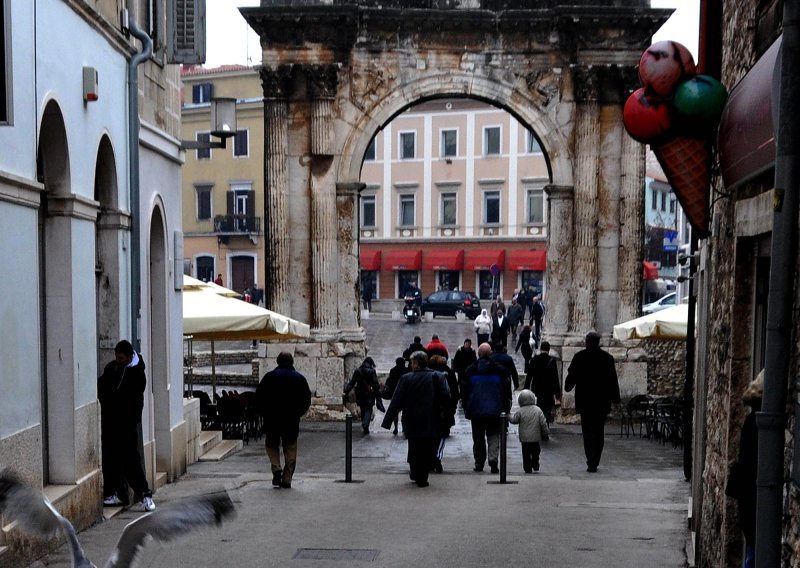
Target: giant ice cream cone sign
677, 112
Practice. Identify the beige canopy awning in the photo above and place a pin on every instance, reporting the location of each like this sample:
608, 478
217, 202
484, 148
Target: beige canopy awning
212, 312
665, 324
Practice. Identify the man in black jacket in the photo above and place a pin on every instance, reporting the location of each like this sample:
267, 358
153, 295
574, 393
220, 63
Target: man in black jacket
502, 358
120, 390
542, 378
415, 346
594, 377
283, 397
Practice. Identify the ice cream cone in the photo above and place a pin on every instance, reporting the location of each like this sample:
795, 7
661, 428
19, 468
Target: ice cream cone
686, 161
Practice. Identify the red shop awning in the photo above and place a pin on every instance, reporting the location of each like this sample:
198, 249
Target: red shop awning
402, 260
650, 270
444, 260
527, 260
485, 258
369, 259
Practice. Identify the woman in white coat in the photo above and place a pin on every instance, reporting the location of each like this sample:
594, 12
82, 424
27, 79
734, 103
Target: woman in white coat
483, 326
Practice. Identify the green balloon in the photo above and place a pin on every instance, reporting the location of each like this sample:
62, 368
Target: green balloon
700, 99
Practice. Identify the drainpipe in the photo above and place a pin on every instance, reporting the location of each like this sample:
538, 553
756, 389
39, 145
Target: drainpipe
133, 160
771, 420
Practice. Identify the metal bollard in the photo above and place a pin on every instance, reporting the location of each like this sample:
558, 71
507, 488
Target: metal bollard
348, 448
503, 443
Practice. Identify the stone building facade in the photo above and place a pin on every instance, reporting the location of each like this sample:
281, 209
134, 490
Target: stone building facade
334, 74
732, 283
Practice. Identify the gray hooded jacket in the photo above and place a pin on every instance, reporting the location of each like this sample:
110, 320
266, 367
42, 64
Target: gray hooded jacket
531, 420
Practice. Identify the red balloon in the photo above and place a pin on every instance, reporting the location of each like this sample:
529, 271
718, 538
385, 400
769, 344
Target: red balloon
663, 66
646, 118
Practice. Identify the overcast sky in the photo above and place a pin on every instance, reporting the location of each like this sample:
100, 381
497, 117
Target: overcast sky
230, 40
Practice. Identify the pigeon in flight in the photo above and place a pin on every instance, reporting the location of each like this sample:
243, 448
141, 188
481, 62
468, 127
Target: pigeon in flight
35, 515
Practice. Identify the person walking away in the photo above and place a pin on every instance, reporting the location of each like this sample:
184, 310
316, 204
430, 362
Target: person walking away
395, 373
365, 381
516, 313
530, 293
542, 378
120, 390
500, 326
505, 360
366, 293
532, 429
464, 357
436, 347
524, 345
537, 315
283, 397
419, 396
742, 479
483, 326
485, 394
497, 305
416, 345
447, 413
594, 377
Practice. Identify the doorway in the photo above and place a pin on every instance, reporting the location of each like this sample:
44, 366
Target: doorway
242, 272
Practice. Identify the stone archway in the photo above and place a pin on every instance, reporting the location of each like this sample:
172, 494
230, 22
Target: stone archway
333, 75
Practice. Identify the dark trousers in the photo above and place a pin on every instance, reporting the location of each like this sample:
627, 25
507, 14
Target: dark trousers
536, 323
420, 458
273, 442
530, 456
485, 440
366, 415
593, 428
122, 463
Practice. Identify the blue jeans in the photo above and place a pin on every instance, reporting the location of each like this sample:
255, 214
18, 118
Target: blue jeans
366, 416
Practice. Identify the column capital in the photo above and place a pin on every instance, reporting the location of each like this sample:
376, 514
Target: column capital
586, 82
560, 191
350, 187
276, 81
323, 79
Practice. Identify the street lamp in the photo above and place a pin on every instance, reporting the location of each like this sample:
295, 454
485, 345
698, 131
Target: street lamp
223, 125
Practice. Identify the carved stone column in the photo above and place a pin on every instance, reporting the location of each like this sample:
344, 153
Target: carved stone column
275, 84
587, 145
322, 82
349, 282
559, 272
631, 214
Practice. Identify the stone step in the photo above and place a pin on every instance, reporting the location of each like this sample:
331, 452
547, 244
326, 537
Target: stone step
222, 450
160, 480
209, 439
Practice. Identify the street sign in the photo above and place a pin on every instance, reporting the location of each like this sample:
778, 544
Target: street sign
494, 269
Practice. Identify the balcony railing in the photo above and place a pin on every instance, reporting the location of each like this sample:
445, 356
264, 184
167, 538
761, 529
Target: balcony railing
237, 225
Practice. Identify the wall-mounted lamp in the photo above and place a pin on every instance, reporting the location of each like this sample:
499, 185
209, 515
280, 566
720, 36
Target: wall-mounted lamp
223, 125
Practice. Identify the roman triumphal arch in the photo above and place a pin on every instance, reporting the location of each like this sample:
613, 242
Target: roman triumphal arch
334, 72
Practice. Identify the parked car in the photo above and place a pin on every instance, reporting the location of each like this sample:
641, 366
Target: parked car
450, 302
661, 304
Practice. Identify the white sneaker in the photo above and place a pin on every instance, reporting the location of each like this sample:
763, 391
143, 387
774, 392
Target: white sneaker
112, 501
147, 504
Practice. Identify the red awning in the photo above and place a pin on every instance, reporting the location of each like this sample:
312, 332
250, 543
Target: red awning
483, 259
650, 270
444, 259
403, 260
369, 259
528, 260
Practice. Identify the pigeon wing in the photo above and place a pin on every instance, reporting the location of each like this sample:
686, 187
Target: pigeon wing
26, 506
169, 522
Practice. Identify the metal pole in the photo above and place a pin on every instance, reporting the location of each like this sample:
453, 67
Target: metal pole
348, 448
771, 421
688, 385
503, 444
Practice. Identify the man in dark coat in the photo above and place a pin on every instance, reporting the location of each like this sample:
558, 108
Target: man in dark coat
120, 390
500, 327
416, 345
392, 381
485, 394
283, 397
542, 378
420, 395
365, 381
505, 360
516, 313
594, 377
537, 314
464, 357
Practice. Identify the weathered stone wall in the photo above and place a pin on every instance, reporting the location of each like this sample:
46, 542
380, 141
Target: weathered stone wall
666, 366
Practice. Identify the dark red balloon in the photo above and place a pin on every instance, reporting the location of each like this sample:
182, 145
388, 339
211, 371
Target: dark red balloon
646, 118
663, 66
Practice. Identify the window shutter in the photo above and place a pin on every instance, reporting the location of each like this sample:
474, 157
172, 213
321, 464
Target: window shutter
186, 38
251, 203
229, 197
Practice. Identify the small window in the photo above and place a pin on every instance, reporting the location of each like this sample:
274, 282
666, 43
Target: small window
406, 210
205, 268
533, 144
203, 153
449, 143
202, 93
535, 206
241, 146
491, 140
653, 199
449, 201
369, 155
663, 201
367, 210
203, 202
672, 204
491, 207
407, 145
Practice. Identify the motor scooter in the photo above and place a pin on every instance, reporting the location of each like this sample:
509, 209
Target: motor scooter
411, 310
